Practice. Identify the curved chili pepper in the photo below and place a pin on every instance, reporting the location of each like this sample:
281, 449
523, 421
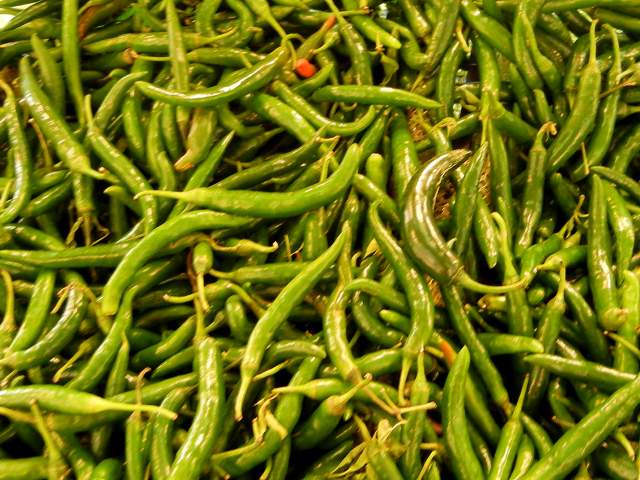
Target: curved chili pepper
420, 233
234, 86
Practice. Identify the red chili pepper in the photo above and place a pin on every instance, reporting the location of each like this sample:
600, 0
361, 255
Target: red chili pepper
329, 22
448, 352
305, 68
437, 427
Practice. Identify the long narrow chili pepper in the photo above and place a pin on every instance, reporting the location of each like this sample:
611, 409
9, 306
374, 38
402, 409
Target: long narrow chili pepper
585, 371
334, 321
485, 232
523, 56
36, 314
619, 179
405, 158
204, 171
623, 229
418, 295
605, 122
416, 18
601, 276
467, 198
420, 233
134, 456
479, 354
623, 358
366, 320
101, 359
273, 204
21, 156
533, 193
71, 55
115, 384
50, 71
491, 30
547, 332
441, 34
161, 452
52, 124
58, 337
317, 119
587, 434
511, 435
505, 343
279, 113
509, 123
373, 95
234, 86
456, 434
595, 341
500, 184
288, 298
57, 399
199, 442
128, 173
113, 101
583, 114
445, 84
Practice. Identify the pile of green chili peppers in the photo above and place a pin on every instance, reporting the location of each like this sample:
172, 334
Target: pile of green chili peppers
315, 239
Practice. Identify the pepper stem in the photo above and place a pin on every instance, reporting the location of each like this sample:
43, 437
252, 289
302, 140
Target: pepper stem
465, 281
219, 274
362, 428
338, 403
272, 371
625, 343
202, 297
125, 407
404, 373
16, 415
57, 464
81, 352
161, 193
427, 464
179, 299
244, 246
302, 389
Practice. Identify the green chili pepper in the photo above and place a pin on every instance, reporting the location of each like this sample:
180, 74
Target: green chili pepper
583, 115
423, 240
274, 204
601, 277
277, 312
466, 464
372, 95
233, 87
565, 455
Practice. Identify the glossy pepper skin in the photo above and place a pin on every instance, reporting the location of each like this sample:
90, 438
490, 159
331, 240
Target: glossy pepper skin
420, 231
233, 87
601, 275
455, 429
